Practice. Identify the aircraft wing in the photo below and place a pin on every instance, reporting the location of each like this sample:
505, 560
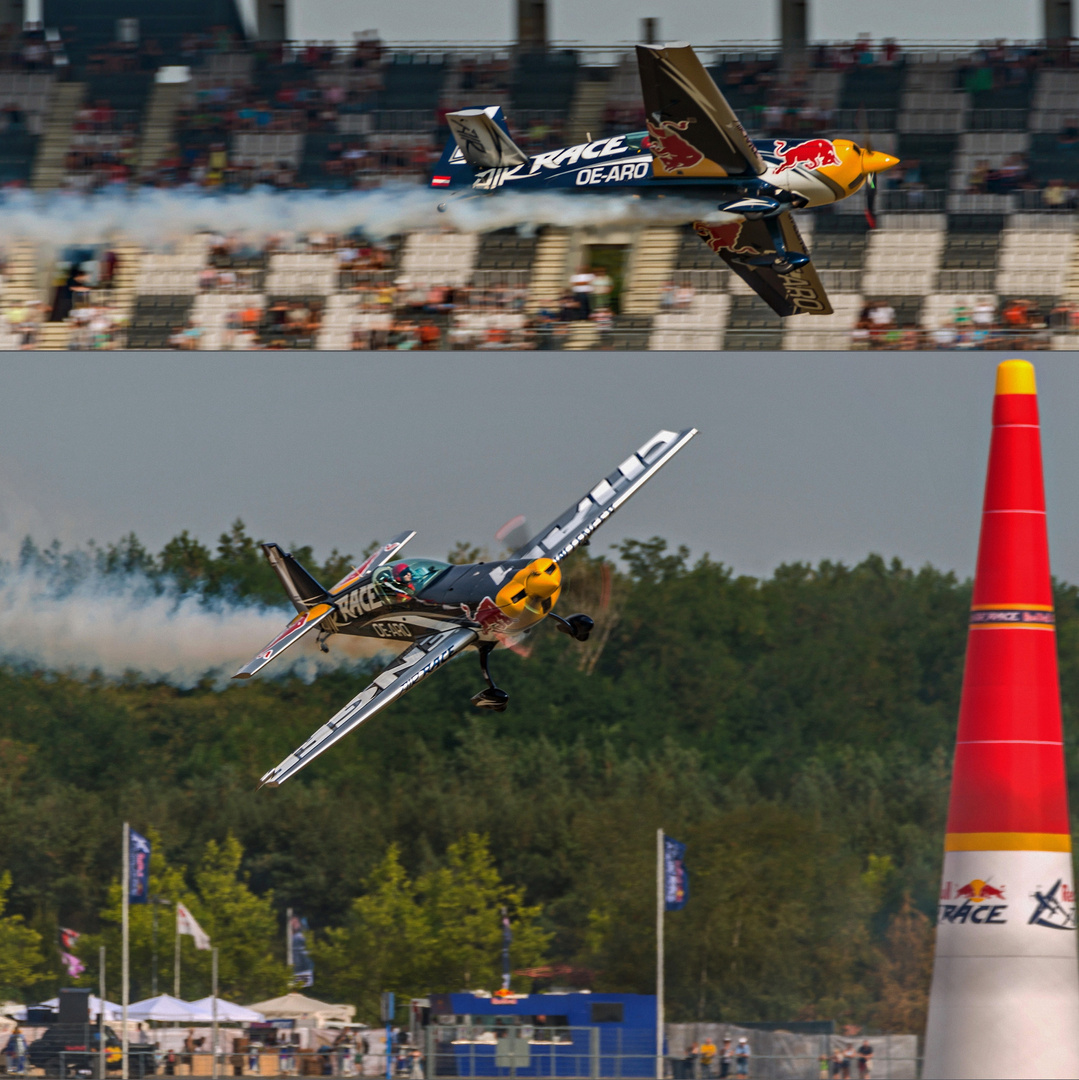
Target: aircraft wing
692, 129
798, 293
572, 528
412, 666
302, 624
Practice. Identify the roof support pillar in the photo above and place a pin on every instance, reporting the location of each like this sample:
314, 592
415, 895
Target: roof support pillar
531, 26
793, 25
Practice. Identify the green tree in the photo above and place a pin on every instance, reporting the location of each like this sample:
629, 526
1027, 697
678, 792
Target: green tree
463, 902
242, 925
21, 962
382, 944
441, 932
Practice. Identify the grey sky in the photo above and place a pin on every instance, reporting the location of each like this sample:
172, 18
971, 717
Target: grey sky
609, 21
799, 457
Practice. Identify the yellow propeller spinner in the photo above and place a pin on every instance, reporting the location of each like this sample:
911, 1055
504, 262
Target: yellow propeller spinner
532, 591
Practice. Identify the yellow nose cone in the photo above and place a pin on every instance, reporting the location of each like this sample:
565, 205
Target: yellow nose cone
874, 161
531, 592
544, 580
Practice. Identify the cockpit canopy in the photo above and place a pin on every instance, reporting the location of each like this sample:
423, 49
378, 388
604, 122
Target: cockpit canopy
391, 579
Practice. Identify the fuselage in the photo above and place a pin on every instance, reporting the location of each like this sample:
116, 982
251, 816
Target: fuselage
498, 598
662, 161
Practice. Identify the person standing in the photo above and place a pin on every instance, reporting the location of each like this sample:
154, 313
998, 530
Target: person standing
865, 1060
689, 1062
708, 1058
741, 1058
726, 1057
16, 1052
837, 1063
581, 285
602, 286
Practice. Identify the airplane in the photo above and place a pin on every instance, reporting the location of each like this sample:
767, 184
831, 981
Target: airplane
694, 147
443, 609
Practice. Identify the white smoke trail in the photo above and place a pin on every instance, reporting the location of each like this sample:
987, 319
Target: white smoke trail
116, 624
154, 217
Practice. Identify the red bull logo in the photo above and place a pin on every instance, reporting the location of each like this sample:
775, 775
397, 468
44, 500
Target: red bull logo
489, 615
979, 890
977, 903
670, 148
812, 154
724, 238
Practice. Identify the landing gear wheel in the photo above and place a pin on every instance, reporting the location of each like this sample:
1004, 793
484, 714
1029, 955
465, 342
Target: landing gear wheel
577, 626
492, 698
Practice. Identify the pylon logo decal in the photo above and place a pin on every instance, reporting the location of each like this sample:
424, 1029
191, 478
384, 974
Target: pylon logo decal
974, 903
1054, 907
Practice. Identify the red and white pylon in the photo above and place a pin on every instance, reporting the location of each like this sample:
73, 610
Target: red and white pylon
1005, 994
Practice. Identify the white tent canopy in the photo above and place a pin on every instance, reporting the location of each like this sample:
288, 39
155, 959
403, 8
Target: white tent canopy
228, 1012
299, 1007
113, 1011
166, 1008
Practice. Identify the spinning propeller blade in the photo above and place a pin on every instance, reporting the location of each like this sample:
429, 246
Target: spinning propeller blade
871, 181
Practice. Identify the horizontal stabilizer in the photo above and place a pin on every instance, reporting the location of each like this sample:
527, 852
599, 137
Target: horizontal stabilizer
483, 144
415, 663
302, 624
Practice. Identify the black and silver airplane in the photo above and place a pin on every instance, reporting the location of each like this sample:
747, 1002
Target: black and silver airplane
443, 609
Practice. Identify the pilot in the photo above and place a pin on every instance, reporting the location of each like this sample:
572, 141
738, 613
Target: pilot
402, 578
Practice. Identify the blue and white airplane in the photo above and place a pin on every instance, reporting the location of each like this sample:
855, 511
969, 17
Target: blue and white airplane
693, 146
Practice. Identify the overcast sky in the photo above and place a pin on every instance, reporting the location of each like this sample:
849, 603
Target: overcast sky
800, 457
702, 23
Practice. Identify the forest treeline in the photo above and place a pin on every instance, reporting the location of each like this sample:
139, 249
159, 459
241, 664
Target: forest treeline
795, 731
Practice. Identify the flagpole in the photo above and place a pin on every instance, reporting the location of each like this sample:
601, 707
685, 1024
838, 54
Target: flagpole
213, 1038
125, 888
659, 954
102, 1074
288, 942
176, 957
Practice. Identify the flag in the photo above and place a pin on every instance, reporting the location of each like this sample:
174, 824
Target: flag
138, 855
186, 924
507, 940
75, 967
675, 875
72, 964
303, 967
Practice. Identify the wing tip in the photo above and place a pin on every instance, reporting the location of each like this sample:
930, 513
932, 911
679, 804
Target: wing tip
243, 673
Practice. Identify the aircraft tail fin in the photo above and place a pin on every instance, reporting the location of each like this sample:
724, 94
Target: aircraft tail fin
303, 590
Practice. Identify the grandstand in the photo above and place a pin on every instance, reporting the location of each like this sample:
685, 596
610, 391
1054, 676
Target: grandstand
976, 244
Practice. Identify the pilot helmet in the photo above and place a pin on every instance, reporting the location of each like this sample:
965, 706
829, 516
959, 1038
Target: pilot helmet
400, 569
